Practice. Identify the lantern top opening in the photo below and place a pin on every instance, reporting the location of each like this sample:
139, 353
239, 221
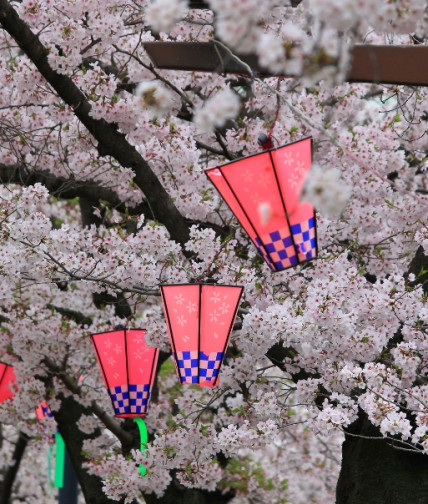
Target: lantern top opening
131, 415
258, 153
200, 283
119, 330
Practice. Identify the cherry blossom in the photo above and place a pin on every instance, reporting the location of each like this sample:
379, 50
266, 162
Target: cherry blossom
86, 240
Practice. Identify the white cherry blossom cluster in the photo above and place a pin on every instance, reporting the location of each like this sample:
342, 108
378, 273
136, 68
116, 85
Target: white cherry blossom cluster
216, 110
162, 15
352, 324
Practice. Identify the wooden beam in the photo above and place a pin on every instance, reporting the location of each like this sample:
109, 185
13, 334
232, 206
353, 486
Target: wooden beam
204, 5
198, 5
383, 64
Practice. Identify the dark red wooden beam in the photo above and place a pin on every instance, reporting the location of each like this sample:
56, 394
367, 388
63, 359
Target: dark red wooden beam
383, 64
198, 5
204, 5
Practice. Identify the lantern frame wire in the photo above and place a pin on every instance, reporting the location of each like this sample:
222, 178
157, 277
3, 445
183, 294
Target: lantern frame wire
106, 381
200, 285
269, 151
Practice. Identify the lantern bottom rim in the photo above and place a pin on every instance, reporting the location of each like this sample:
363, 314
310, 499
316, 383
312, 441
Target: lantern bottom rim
130, 415
205, 383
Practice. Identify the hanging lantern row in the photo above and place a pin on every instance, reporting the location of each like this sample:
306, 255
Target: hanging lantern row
199, 319
263, 191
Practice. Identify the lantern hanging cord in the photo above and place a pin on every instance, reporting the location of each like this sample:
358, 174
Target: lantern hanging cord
143, 440
265, 141
278, 106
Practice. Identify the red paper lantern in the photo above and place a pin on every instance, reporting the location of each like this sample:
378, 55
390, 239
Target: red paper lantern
200, 319
128, 367
7, 377
263, 191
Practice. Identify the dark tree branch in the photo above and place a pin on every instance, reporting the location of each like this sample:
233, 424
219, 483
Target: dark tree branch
111, 424
419, 267
61, 187
6, 485
110, 141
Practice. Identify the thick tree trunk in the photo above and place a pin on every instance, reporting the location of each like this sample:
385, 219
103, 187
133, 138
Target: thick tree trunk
178, 494
6, 485
67, 417
374, 472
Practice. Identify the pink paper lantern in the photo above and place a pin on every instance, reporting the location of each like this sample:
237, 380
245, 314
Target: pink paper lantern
200, 320
128, 368
263, 191
7, 377
42, 411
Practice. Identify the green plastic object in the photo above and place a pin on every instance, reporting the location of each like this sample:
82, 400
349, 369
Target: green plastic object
143, 439
59, 462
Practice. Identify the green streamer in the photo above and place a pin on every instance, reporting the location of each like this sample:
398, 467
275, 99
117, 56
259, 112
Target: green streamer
49, 466
143, 439
59, 461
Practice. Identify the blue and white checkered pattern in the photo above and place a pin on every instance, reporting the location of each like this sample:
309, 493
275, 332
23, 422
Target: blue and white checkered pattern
120, 397
130, 400
305, 239
189, 365
280, 250
46, 411
279, 245
139, 396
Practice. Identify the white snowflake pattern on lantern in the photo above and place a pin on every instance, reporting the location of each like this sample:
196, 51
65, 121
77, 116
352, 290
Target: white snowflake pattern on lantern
224, 308
191, 307
288, 158
111, 361
179, 299
215, 297
138, 354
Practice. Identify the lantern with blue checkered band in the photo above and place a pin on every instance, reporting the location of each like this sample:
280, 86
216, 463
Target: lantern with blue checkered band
263, 191
200, 320
7, 378
128, 368
42, 411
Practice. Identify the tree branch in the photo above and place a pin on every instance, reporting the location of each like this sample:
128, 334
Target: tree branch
61, 187
110, 141
10, 475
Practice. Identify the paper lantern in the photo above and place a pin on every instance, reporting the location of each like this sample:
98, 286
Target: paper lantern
128, 368
200, 319
7, 377
263, 191
42, 411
